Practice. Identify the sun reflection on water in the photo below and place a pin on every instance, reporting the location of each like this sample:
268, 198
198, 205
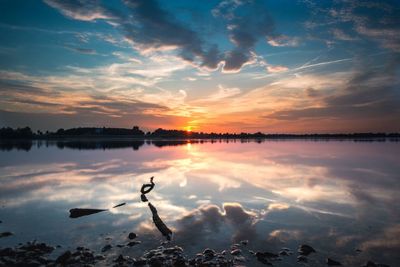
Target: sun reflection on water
276, 192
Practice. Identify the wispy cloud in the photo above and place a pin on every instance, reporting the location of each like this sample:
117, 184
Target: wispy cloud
276, 69
283, 40
81, 10
81, 50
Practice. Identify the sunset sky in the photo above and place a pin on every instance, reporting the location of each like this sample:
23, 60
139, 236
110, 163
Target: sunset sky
288, 66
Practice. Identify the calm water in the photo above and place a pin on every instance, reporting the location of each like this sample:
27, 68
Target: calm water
335, 196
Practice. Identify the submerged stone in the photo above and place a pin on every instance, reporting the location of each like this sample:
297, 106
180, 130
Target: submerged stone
302, 258
132, 235
133, 243
244, 242
305, 250
106, 248
5, 234
64, 258
209, 251
283, 253
331, 262
236, 251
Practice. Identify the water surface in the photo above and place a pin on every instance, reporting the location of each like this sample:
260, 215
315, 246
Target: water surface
337, 196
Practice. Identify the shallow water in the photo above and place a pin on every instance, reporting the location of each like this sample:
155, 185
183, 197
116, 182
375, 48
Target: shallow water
337, 196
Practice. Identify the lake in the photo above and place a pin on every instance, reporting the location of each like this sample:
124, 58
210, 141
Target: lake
340, 197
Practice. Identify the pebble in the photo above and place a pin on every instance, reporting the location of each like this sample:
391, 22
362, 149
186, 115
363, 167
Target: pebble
63, 258
284, 253
236, 251
302, 258
106, 248
305, 250
132, 235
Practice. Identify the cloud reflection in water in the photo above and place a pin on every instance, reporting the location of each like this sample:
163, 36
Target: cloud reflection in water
331, 194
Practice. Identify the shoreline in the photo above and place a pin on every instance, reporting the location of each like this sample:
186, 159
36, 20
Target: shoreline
190, 138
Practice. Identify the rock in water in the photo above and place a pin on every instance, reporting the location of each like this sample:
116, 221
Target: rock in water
265, 257
63, 258
331, 262
263, 260
302, 258
305, 250
236, 252
132, 235
106, 248
5, 234
283, 253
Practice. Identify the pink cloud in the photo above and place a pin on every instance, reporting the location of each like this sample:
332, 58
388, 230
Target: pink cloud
276, 69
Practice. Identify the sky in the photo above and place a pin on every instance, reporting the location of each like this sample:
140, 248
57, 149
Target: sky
287, 66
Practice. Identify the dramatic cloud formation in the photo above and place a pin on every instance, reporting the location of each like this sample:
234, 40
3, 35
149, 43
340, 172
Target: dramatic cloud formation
154, 28
244, 31
368, 93
321, 67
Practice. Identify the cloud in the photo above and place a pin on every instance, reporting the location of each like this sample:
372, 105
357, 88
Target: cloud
226, 9
200, 221
278, 206
276, 69
341, 35
235, 60
81, 50
83, 97
89, 117
86, 10
388, 241
368, 96
244, 31
283, 40
152, 26
311, 92
371, 21
148, 27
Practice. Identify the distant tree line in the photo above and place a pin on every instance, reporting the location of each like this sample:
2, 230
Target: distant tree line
89, 131
136, 132
19, 133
